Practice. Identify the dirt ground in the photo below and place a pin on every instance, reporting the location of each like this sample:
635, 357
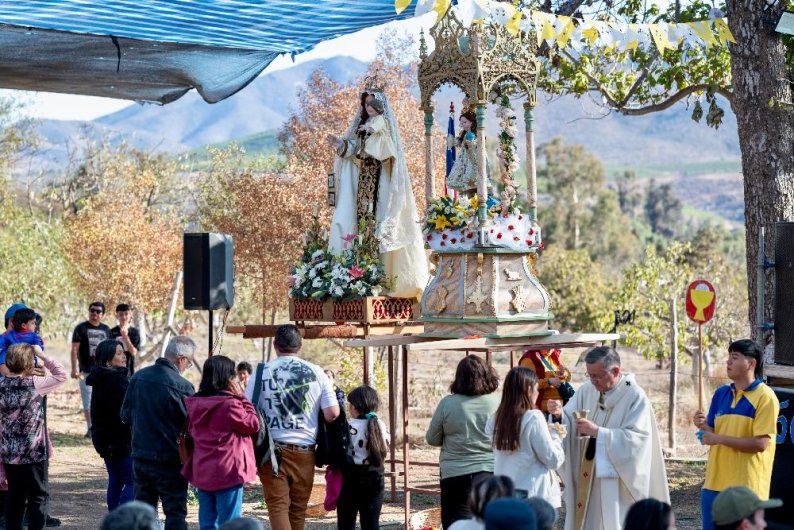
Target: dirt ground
78, 477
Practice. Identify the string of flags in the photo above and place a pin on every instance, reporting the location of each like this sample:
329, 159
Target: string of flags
564, 32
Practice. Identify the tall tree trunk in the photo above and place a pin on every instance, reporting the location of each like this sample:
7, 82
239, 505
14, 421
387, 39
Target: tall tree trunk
762, 98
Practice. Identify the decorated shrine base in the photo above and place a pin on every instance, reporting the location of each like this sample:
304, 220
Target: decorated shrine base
368, 310
514, 232
491, 293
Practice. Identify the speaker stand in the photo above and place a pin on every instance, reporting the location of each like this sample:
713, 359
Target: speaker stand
211, 329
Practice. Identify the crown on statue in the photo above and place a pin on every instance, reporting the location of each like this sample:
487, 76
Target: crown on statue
374, 83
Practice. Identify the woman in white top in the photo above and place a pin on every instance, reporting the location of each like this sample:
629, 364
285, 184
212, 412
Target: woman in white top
525, 449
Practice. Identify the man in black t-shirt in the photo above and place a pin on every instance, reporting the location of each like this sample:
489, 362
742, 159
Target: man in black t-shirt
127, 335
85, 339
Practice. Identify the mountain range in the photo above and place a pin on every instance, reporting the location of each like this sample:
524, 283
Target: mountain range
668, 141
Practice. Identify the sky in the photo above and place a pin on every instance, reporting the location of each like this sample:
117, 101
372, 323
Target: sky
45, 105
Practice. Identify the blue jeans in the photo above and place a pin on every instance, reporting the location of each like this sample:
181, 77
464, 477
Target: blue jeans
217, 507
706, 500
120, 485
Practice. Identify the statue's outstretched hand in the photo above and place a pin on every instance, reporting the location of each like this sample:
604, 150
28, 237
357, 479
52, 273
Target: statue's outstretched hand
333, 140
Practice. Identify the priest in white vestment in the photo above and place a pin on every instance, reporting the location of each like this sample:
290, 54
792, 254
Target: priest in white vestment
613, 457
373, 189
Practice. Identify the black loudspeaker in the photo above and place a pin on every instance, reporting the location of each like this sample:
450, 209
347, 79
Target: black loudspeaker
784, 293
207, 262
783, 518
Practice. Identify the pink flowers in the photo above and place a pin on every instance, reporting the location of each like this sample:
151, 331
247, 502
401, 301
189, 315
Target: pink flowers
348, 238
355, 272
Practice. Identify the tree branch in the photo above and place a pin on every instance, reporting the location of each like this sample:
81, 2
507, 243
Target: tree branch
570, 7
672, 100
640, 79
620, 106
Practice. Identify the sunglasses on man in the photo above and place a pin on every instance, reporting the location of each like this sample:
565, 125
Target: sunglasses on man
95, 311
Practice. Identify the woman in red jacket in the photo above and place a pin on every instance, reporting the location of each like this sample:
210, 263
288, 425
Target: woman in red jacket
221, 422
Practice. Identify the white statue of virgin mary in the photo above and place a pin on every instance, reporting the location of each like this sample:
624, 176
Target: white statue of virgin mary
374, 192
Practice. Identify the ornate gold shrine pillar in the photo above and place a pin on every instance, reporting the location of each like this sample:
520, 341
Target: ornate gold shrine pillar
532, 184
430, 182
482, 174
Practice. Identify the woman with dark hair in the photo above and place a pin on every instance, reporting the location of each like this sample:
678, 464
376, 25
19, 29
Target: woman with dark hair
525, 448
111, 436
483, 490
362, 478
458, 427
221, 422
650, 514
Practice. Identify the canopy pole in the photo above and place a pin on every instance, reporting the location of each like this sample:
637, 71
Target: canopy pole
482, 174
532, 182
430, 184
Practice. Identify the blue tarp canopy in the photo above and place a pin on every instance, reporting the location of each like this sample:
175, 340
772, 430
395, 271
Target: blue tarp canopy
157, 50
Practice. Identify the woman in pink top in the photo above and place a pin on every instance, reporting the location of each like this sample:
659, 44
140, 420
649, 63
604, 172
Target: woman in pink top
25, 442
221, 422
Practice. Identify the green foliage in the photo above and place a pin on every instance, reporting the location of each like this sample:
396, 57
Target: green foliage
36, 270
662, 209
648, 287
583, 213
640, 81
578, 289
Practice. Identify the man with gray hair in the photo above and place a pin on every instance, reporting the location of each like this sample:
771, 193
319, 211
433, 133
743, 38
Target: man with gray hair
154, 408
133, 515
612, 453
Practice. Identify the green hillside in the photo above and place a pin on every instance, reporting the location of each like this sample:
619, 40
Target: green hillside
257, 145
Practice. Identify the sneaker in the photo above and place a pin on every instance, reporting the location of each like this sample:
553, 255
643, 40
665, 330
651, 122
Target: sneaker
51, 522
88, 433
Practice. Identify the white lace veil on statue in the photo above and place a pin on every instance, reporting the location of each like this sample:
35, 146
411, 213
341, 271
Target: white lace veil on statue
397, 228
398, 224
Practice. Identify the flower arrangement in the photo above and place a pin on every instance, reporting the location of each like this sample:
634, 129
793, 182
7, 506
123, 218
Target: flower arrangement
309, 277
357, 272
506, 152
456, 214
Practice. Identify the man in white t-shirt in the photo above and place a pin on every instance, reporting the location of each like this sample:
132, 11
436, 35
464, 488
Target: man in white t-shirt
293, 393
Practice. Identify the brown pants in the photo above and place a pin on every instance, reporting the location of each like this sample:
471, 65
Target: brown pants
288, 494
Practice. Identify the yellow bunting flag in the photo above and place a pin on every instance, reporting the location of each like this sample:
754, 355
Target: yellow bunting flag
590, 33
723, 32
565, 35
659, 35
539, 21
633, 37
441, 7
702, 29
400, 5
514, 22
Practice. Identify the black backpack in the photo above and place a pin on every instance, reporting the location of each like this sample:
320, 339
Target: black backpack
262, 438
333, 442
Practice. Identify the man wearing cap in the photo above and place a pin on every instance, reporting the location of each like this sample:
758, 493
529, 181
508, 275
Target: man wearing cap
740, 429
739, 508
154, 408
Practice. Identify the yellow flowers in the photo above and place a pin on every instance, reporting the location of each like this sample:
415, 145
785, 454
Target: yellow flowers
441, 222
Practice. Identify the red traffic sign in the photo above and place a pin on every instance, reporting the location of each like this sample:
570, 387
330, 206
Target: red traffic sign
701, 298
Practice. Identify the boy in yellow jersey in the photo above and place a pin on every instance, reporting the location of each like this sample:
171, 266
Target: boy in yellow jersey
740, 427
